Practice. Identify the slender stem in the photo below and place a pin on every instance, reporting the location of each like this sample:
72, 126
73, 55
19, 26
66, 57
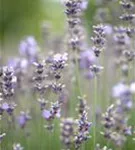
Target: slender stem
77, 74
94, 112
2, 30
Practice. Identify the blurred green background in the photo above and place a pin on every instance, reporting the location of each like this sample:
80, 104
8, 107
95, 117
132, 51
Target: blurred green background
20, 18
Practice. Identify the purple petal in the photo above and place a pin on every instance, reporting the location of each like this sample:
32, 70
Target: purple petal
46, 114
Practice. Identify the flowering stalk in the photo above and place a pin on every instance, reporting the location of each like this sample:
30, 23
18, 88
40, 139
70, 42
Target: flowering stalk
74, 11
29, 49
67, 132
116, 118
54, 69
8, 88
83, 125
76, 39
76, 132
98, 46
115, 122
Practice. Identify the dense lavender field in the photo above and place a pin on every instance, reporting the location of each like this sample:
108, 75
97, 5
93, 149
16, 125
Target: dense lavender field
74, 90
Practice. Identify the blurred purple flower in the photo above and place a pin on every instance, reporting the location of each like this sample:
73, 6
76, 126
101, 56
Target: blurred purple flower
28, 47
5, 106
87, 58
9, 108
9, 82
84, 4
55, 111
17, 63
58, 114
119, 90
42, 103
128, 130
89, 75
108, 29
23, 118
13, 62
46, 114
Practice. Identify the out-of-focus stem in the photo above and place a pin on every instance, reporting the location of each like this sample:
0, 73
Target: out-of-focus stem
94, 111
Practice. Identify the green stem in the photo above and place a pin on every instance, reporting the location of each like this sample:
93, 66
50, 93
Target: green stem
77, 74
94, 112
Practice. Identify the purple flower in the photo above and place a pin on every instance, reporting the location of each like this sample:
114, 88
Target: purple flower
9, 82
13, 62
108, 29
23, 63
67, 131
60, 58
18, 64
128, 130
55, 111
29, 47
58, 114
23, 118
87, 58
5, 106
96, 69
9, 108
58, 63
119, 90
46, 114
121, 38
84, 5
42, 103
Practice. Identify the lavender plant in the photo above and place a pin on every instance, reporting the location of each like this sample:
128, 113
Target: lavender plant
75, 133
39, 87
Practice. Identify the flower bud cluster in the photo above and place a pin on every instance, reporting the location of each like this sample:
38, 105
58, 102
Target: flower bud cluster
115, 122
52, 72
74, 11
23, 118
39, 77
76, 132
8, 82
67, 132
83, 125
98, 39
29, 48
127, 6
123, 38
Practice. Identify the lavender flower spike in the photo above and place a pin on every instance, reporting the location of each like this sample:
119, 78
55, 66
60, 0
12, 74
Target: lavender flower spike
23, 118
9, 81
119, 90
67, 132
29, 48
